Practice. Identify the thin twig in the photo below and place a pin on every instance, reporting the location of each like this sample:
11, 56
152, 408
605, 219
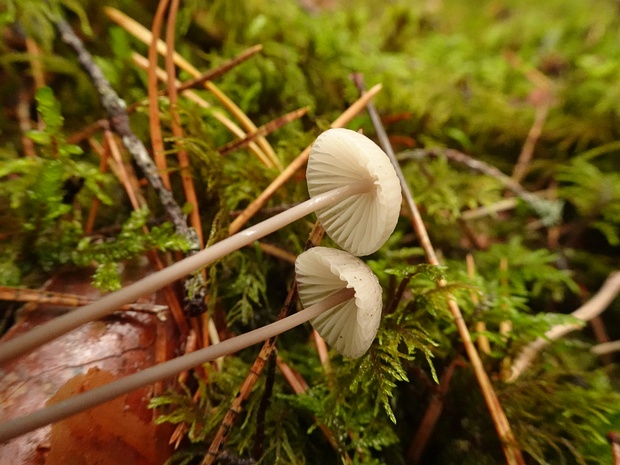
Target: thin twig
128, 179
265, 129
124, 176
606, 348
509, 443
221, 69
593, 307
157, 138
115, 108
523, 162
38, 72
61, 299
431, 416
195, 288
192, 96
277, 252
177, 130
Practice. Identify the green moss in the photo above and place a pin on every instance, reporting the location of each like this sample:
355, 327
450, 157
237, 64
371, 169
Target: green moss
455, 76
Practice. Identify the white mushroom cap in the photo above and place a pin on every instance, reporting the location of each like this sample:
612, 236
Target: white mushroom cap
351, 326
362, 223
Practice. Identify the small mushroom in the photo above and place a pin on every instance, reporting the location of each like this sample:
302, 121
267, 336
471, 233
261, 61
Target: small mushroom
361, 223
351, 326
354, 190
342, 299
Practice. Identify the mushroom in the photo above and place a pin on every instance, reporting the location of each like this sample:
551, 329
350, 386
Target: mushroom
354, 190
342, 299
351, 326
361, 223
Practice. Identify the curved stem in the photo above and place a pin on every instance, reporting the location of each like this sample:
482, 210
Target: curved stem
109, 303
13, 428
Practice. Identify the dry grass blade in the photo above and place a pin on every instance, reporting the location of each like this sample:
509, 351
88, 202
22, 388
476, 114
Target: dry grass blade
184, 86
115, 109
192, 96
157, 138
131, 188
143, 34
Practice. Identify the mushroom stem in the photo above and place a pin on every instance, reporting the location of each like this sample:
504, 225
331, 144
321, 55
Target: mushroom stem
109, 303
55, 412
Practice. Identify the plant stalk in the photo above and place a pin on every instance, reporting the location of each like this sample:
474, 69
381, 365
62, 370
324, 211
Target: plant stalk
14, 428
109, 303
509, 444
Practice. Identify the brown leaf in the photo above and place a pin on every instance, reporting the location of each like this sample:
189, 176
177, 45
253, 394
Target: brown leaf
121, 344
109, 434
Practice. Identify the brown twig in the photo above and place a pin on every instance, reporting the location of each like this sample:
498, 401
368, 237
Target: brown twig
593, 307
264, 130
115, 108
128, 179
17, 294
125, 177
34, 52
509, 443
94, 206
215, 73
523, 162
192, 96
541, 97
177, 130
431, 416
614, 441
157, 138
277, 252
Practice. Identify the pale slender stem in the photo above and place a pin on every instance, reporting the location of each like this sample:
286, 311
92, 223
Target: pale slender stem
109, 303
55, 412
592, 308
